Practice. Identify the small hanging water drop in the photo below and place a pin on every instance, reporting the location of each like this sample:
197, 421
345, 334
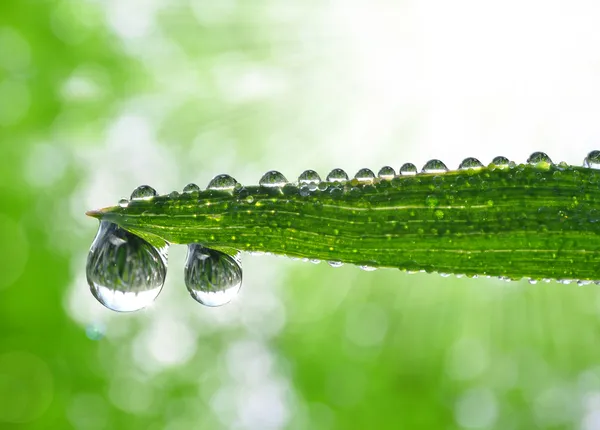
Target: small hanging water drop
309, 177
592, 160
123, 203
337, 175
143, 192
212, 277
365, 175
273, 179
408, 169
470, 163
125, 272
191, 188
434, 166
335, 263
368, 268
387, 173
222, 183
539, 157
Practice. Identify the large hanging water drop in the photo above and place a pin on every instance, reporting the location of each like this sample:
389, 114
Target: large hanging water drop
337, 175
309, 177
212, 277
125, 272
222, 183
143, 192
434, 166
539, 157
272, 179
592, 160
408, 169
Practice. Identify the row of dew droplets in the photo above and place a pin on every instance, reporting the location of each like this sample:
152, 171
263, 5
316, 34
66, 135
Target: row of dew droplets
125, 272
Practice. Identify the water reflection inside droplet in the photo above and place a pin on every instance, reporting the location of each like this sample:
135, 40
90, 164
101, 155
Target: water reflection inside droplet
212, 277
125, 272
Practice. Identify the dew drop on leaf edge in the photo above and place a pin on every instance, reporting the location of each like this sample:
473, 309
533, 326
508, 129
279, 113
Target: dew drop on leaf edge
408, 169
386, 172
337, 175
143, 192
592, 160
191, 188
539, 157
309, 177
364, 175
434, 166
222, 183
273, 178
470, 163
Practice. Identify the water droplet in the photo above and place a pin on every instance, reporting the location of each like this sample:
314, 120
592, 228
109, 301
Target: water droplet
365, 175
143, 192
408, 169
273, 179
335, 263
337, 175
123, 203
532, 281
470, 163
431, 201
315, 261
191, 188
592, 160
309, 177
501, 161
304, 190
387, 173
434, 166
222, 183
539, 157
368, 268
249, 199
125, 272
212, 277
173, 194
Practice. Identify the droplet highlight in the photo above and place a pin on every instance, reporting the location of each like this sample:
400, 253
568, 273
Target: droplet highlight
539, 157
123, 203
222, 183
125, 272
273, 179
470, 163
191, 188
592, 160
387, 173
408, 169
364, 175
337, 175
434, 166
212, 277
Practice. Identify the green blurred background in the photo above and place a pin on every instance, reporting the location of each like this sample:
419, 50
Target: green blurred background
97, 97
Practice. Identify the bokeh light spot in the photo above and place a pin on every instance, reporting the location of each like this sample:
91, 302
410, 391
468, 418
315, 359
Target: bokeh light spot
26, 387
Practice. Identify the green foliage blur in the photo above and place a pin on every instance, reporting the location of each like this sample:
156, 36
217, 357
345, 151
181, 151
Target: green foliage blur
99, 97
